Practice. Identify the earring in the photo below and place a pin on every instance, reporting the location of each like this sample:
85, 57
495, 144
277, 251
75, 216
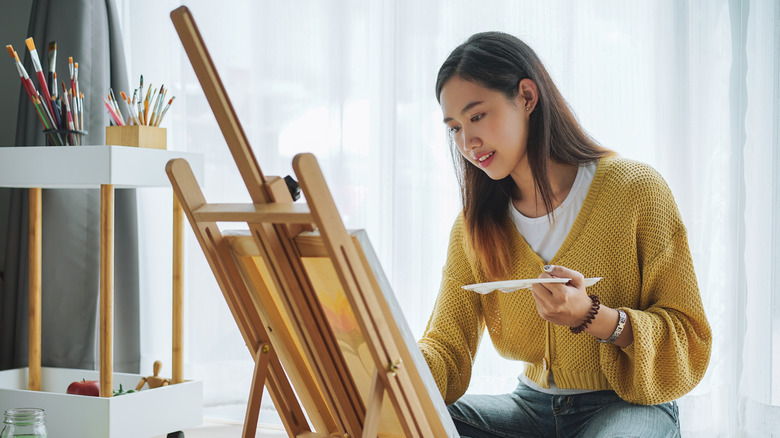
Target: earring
528, 108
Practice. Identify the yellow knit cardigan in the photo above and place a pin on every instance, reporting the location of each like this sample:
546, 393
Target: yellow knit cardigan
628, 231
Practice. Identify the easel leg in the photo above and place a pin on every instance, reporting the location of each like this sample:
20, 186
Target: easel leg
178, 291
35, 240
106, 290
374, 407
256, 391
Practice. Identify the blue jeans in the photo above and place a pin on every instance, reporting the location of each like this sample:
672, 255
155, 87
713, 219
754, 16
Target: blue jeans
530, 413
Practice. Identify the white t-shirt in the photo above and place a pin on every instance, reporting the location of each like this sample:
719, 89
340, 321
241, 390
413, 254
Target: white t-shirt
545, 237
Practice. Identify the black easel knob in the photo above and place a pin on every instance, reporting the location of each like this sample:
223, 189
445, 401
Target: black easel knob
292, 185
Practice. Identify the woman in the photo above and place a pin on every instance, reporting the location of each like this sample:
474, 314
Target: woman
542, 199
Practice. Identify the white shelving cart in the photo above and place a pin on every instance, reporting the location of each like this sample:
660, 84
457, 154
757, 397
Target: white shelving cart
144, 413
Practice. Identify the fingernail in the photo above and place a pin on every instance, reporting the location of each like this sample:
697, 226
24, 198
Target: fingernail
548, 268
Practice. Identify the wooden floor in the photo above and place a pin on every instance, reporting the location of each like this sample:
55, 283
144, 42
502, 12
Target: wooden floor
214, 429
227, 422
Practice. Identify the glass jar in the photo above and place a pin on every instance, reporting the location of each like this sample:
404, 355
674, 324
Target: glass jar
24, 422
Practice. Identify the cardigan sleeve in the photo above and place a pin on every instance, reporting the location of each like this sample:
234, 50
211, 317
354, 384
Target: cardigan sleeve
672, 337
455, 328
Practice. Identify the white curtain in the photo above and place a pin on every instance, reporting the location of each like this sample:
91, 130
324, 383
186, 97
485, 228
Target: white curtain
689, 87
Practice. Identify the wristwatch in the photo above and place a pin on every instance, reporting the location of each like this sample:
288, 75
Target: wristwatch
618, 330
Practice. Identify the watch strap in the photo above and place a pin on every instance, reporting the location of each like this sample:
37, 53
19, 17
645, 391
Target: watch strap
618, 330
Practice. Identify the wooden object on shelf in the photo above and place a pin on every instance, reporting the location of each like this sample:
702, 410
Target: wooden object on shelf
177, 283
107, 168
137, 136
35, 243
313, 305
153, 381
106, 290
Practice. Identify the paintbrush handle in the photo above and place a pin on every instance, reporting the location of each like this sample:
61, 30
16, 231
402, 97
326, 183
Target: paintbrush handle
30, 88
45, 89
49, 113
112, 112
165, 111
52, 85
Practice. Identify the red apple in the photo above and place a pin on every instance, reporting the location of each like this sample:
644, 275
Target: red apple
84, 387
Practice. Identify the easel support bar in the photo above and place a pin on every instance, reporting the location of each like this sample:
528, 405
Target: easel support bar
254, 213
262, 361
374, 408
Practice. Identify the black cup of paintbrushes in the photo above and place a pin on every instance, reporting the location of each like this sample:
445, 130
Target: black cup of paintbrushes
64, 137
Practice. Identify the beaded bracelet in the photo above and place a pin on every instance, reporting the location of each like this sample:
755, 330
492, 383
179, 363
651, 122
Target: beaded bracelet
594, 310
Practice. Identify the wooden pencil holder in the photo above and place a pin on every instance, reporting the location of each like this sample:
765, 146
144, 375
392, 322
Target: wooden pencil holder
137, 136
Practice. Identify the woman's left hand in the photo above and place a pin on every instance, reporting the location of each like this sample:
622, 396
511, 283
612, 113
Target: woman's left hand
562, 303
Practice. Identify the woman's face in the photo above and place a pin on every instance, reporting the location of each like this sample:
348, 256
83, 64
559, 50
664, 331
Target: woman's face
489, 131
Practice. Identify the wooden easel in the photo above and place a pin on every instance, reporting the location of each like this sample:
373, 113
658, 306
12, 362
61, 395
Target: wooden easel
274, 281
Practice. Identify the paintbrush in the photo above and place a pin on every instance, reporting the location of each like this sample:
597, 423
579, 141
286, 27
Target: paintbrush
59, 113
126, 103
132, 107
68, 111
39, 71
26, 81
70, 73
114, 104
80, 103
165, 111
113, 113
76, 89
46, 116
162, 105
54, 81
46, 119
140, 100
70, 104
146, 105
113, 100
151, 107
22, 72
72, 70
156, 105
52, 52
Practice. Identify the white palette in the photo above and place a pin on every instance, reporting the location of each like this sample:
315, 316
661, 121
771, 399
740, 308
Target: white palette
509, 286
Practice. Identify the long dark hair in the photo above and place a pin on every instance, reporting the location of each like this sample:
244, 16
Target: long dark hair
499, 61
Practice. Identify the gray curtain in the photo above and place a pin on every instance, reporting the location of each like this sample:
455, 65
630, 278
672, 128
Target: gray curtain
87, 30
